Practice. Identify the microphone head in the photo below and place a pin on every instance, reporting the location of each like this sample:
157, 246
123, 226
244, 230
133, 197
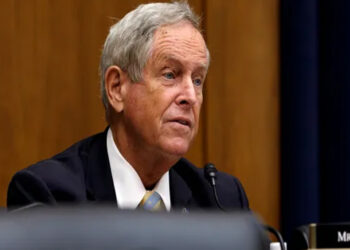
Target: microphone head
210, 171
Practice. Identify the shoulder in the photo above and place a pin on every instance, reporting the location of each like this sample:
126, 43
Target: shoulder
61, 177
68, 161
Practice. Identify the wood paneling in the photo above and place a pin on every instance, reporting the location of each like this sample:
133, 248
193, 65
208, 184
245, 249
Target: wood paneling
242, 118
49, 86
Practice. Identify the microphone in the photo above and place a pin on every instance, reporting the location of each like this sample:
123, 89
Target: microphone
210, 174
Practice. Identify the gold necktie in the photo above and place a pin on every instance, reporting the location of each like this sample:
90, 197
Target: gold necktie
152, 201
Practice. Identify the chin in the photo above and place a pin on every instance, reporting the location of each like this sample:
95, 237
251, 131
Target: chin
177, 147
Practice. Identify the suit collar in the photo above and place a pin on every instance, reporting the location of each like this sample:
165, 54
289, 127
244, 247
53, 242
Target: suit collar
99, 180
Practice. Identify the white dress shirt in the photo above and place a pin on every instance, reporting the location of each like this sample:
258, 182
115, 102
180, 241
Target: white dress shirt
128, 186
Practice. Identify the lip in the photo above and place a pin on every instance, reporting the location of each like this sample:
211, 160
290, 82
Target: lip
182, 121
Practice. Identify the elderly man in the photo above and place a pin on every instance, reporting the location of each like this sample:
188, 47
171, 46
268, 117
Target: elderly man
153, 67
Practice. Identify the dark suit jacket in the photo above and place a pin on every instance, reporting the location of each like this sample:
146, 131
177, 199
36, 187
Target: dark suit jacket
81, 174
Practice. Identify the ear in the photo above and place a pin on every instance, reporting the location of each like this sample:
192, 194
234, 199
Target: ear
115, 78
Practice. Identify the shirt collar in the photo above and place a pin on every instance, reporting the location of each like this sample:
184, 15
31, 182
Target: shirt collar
128, 186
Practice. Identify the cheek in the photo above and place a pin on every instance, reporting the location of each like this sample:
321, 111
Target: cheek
198, 106
144, 107
135, 106
160, 101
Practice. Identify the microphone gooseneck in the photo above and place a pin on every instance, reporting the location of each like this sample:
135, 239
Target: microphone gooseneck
277, 235
210, 174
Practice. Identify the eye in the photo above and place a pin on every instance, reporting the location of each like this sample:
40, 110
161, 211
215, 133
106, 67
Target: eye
169, 75
197, 82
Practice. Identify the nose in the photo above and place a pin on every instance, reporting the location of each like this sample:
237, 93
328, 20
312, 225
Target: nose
188, 95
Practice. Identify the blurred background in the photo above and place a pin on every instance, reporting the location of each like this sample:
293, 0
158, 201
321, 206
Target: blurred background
276, 106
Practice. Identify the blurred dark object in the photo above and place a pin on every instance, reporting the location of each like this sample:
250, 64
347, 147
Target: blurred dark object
300, 238
109, 228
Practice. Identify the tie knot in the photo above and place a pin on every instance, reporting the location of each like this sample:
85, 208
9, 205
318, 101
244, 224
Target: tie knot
152, 201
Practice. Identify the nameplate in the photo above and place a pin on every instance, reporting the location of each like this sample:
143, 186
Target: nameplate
329, 236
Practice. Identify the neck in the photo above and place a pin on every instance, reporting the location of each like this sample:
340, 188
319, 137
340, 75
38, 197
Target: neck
149, 164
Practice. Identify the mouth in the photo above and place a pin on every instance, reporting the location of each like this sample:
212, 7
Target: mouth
182, 121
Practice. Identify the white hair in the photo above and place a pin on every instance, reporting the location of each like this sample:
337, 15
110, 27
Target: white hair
129, 41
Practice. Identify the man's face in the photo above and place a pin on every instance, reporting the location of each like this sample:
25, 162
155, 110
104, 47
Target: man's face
161, 112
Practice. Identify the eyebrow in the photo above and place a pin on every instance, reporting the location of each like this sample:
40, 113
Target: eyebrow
173, 59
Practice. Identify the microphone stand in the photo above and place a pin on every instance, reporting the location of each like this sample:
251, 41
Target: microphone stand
210, 174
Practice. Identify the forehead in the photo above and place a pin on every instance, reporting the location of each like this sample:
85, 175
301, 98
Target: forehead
181, 42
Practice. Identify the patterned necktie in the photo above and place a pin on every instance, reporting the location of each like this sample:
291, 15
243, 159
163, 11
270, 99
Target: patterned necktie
152, 202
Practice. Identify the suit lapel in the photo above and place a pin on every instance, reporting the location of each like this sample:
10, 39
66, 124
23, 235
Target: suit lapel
99, 182
180, 192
